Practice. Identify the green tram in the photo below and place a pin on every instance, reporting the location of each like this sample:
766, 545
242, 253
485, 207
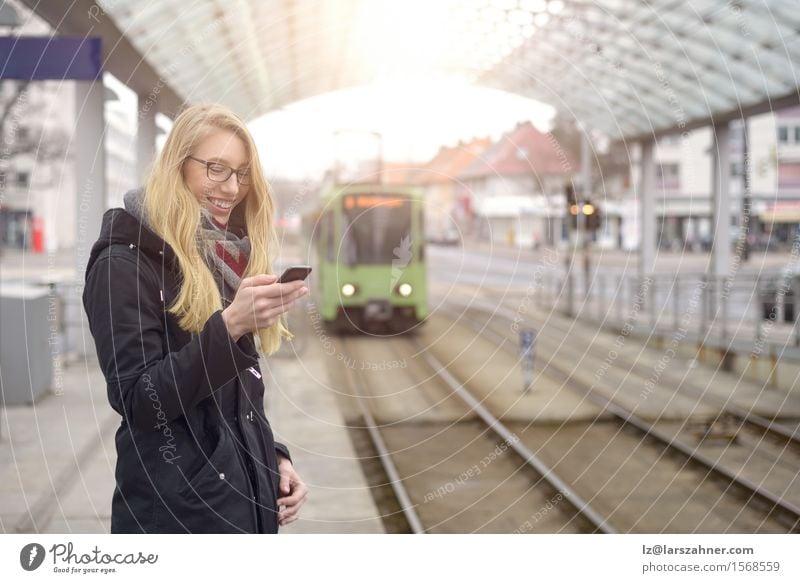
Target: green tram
370, 258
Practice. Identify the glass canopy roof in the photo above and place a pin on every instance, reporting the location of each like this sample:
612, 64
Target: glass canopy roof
626, 67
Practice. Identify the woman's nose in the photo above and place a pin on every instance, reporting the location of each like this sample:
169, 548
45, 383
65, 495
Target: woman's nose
231, 185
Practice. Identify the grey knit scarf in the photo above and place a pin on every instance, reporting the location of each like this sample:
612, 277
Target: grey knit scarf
223, 251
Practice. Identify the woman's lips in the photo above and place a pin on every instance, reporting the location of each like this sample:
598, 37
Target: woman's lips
221, 204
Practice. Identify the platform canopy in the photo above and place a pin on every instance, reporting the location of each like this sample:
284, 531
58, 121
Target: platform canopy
631, 68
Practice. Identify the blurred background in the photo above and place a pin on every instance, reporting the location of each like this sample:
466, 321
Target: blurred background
555, 249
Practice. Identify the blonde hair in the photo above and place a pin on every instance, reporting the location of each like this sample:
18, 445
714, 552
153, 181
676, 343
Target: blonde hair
174, 214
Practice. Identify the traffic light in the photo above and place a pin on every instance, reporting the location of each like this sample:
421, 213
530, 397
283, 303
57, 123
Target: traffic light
590, 212
573, 210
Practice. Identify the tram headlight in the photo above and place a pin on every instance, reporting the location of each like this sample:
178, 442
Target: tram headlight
405, 289
348, 290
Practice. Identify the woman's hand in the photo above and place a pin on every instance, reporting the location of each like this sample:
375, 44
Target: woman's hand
294, 492
259, 302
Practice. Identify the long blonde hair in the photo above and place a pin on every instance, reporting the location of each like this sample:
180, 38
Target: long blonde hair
174, 214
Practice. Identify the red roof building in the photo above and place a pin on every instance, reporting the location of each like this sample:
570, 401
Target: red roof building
449, 162
523, 151
444, 208
516, 188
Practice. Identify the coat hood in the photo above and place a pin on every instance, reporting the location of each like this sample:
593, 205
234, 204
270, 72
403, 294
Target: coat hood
127, 226
123, 226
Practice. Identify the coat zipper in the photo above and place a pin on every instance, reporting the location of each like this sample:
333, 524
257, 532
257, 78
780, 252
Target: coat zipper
250, 416
251, 477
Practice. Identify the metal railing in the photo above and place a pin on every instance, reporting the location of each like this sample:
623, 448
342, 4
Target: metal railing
739, 312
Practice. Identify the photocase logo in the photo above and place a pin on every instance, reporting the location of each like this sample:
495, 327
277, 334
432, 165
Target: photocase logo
31, 556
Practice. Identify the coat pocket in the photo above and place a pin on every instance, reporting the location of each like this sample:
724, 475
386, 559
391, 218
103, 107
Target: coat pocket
216, 497
214, 466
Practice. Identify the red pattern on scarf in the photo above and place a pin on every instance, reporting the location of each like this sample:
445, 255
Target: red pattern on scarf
238, 267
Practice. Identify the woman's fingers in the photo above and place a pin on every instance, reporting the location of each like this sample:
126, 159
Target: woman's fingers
278, 290
258, 280
296, 295
264, 303
270, 315
260, 301
271, 301
289, 515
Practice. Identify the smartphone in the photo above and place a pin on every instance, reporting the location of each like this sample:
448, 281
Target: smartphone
294, 273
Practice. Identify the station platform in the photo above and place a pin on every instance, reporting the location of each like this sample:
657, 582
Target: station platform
304, 414
57, 456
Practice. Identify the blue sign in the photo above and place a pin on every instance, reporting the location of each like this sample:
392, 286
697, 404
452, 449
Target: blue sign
527, 342
526, 338
42, 58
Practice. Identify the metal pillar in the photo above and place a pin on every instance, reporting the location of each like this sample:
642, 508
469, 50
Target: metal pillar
586, 195
90, 166
586, 186
647, 210
721, 200
746, 221
145, 137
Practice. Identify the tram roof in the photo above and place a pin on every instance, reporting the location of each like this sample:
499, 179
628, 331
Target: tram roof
626, 67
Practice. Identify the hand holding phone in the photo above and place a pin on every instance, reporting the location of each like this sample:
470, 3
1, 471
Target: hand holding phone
244, 315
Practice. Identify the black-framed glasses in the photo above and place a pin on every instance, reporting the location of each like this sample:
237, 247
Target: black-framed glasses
221, 173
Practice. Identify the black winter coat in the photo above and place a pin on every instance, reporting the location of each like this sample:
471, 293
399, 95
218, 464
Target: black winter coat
195, 452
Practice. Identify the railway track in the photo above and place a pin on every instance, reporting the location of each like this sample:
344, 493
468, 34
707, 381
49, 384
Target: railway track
486, 323
775, 430
534, 474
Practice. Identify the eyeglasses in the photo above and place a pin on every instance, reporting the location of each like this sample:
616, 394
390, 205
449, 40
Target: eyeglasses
220, 173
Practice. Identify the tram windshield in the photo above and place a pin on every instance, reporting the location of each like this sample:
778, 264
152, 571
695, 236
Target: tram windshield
376, 229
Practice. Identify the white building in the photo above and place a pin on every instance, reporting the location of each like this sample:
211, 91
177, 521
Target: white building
684, 181
37, 179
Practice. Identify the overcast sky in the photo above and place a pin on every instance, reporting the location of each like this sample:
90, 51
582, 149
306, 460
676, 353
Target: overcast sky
303, 139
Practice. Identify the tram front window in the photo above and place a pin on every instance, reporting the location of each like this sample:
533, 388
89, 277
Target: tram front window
376, 229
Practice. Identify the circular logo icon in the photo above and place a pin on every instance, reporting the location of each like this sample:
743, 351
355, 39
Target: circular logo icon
31, 556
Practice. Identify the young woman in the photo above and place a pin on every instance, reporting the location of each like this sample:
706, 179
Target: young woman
181, 300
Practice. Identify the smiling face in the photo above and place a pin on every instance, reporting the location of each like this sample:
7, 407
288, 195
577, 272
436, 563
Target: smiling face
223, 147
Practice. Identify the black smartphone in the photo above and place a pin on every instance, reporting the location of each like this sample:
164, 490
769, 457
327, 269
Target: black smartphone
294, 273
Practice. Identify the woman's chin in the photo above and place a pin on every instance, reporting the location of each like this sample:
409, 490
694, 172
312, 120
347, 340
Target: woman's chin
222, 219
219, 215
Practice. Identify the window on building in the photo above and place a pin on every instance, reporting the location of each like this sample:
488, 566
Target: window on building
23, 179
668, 175
789, 175
737, 132
797, 134
783, 135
